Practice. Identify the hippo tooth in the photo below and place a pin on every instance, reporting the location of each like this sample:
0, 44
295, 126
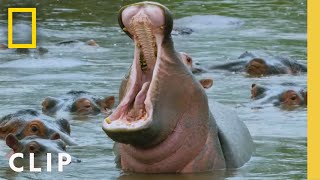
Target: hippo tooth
108, 120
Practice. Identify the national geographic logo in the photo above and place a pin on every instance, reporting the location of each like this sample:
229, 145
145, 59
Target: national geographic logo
33, 12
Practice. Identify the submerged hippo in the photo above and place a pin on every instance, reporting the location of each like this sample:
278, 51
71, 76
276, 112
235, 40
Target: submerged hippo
256, 66
182, 31
29, 122
163, 123
3, 47
40, 147
287, 96
90, 42
39, 50
78, 103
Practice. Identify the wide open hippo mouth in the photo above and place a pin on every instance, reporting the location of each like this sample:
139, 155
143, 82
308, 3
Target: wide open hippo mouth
148, 24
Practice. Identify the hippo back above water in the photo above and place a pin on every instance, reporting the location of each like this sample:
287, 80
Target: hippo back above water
163, 123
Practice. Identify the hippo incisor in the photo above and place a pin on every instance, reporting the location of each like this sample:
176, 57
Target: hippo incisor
163, 123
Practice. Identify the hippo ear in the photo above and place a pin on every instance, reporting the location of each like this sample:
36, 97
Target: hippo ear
206, 83
6, 128
3, 46
64, 125
13, 142
107, 102
253, 85
92, 42
304, 94
55, 136
48, 103
3, 131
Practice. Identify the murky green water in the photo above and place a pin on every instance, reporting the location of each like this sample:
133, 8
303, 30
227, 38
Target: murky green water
264, 27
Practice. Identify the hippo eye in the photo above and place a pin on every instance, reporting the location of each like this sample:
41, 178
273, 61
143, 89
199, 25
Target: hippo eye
87, 106
34, 129
294, 97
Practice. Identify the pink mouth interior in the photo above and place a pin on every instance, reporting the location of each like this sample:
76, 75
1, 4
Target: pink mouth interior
145, 24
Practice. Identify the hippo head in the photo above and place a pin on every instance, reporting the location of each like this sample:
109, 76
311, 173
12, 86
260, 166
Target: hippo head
293, 98
28, 122
78, 103
3, 46
257, 67
257, 91
159, 89
87, 106
34, 144
40, 147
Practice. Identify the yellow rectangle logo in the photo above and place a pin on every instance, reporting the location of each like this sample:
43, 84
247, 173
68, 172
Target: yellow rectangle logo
33, 12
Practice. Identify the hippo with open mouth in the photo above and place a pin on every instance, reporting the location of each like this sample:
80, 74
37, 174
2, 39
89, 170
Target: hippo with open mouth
163, 123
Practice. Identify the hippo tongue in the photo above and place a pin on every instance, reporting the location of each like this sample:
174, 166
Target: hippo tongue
139, 101
138, 110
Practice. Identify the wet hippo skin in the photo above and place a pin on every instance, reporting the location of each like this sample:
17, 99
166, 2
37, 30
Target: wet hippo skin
163, 123
29, 122
90, 42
